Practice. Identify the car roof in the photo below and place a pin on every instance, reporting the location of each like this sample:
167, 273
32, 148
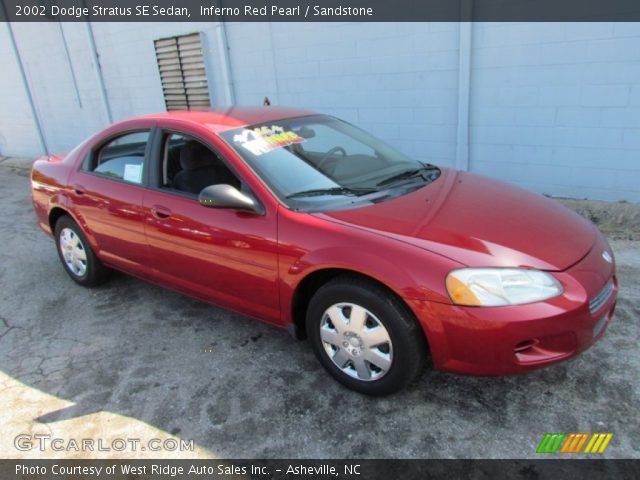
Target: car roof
221, 119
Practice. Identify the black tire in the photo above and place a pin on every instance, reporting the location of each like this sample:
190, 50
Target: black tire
408, 346
95, 272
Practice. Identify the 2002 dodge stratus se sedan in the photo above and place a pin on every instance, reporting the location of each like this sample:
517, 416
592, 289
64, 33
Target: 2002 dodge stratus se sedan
311, 224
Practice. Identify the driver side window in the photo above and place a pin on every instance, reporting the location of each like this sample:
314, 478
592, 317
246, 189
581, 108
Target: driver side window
189, 166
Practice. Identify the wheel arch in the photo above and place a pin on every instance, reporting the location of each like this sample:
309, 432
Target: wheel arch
54, 216
58, 211
310, 284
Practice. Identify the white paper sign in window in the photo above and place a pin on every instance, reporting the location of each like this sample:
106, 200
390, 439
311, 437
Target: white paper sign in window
133, 173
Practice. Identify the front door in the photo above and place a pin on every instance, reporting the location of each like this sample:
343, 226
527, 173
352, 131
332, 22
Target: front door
226, 256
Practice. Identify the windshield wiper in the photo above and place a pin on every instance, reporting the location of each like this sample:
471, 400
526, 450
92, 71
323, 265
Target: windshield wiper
332, 191
414, 172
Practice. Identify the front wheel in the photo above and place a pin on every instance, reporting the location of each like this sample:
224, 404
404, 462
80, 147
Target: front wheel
75, 253
364, 336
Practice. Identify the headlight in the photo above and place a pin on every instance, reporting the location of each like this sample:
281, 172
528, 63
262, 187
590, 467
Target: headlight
492, 287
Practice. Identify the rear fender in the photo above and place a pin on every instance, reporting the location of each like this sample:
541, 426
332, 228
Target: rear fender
62, 200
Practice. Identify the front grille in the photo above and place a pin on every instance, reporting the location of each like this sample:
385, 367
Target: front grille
602, 297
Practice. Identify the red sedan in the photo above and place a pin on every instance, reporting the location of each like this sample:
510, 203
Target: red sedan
311, 224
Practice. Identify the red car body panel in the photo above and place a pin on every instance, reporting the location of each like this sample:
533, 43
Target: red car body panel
483, 340
479, 221
256, 264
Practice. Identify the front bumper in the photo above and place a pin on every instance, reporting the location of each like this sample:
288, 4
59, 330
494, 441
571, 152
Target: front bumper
516, 339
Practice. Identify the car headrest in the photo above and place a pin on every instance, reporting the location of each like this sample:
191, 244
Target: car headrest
195, 155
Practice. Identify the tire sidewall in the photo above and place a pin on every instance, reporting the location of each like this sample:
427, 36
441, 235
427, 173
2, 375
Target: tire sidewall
88, 277
387, 312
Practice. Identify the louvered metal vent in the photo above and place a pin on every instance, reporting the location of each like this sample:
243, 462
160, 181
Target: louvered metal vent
182, 72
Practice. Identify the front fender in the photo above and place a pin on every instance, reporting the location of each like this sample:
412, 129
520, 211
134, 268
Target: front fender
308, 244
359, 261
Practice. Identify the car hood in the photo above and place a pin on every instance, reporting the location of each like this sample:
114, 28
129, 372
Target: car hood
478, 221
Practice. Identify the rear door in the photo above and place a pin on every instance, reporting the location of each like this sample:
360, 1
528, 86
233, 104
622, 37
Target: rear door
108, 192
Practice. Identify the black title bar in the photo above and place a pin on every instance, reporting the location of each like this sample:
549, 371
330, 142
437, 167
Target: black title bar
319, 10
317, 469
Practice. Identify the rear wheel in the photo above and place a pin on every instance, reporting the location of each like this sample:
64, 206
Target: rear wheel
364, 336
75, 253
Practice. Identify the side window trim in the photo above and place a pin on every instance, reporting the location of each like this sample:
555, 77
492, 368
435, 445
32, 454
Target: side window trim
86, 165
157, 158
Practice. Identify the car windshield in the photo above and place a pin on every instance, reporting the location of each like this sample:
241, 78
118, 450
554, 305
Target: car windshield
318, 162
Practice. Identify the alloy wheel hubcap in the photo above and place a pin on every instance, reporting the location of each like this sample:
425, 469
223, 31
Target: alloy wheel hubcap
73, 252
356, 341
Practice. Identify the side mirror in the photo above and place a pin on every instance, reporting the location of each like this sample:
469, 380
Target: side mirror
226, 196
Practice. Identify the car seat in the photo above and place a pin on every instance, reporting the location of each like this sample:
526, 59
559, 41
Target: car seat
199, 168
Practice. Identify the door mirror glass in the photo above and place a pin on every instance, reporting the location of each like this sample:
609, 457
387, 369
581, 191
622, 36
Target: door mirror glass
226, 196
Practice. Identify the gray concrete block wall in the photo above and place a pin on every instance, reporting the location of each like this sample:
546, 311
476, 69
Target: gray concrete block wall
554, 107
18, 131
66, 113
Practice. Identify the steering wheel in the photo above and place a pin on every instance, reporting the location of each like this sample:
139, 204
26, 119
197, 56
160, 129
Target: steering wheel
327, 155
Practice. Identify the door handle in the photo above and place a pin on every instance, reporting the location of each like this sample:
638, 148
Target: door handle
160, 212
79, 189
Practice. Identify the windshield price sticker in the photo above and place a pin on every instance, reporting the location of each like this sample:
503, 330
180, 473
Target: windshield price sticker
266, 139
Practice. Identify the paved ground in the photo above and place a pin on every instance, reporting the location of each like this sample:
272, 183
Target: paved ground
131, 357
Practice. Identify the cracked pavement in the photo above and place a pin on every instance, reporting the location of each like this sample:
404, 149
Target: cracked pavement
131, 359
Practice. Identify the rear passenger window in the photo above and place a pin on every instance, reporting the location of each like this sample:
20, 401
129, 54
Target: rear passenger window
122, 158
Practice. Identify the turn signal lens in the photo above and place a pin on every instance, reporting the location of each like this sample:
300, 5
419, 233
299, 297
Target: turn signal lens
492, 287
460, 293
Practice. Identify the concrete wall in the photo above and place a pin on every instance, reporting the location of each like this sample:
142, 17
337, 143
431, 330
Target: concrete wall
18, 132
553, 107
